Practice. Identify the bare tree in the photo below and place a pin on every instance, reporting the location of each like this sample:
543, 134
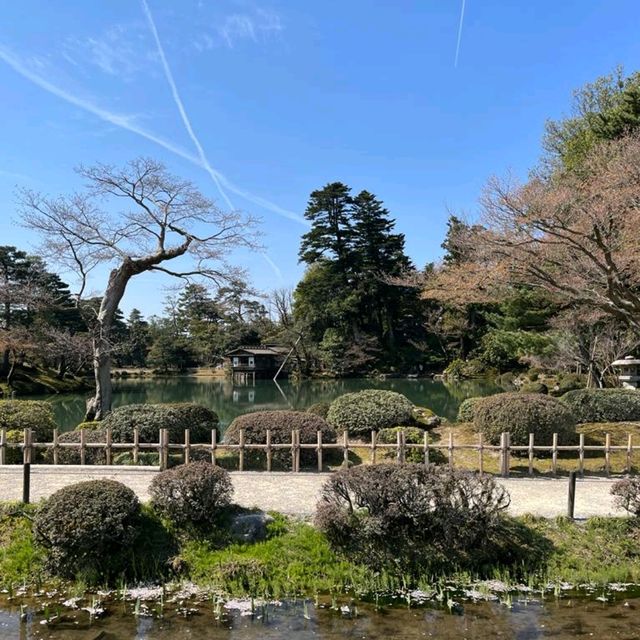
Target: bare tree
153, 219
574, 235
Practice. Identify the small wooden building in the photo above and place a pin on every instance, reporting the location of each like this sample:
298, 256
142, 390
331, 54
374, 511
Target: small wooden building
250, 363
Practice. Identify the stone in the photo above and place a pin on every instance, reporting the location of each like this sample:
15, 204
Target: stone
251, 527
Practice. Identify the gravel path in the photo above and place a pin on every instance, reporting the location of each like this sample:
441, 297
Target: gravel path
297, 494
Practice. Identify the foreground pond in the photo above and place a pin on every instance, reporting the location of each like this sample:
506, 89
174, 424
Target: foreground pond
522, 619
229, 400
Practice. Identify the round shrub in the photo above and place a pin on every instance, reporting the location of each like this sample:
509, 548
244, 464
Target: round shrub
521, 414
191, 495
150, 418
604, 405
371, 410
534, 387
570, 381
93, 455
281, 424
88, 529
415, 516
319, 409
413, 435
467, 409
36, 415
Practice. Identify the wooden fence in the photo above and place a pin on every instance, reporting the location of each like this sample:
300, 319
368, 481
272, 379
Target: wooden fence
401, 448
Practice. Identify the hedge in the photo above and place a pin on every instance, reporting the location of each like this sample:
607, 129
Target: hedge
150, 418
36, 415
93, 455
413, 435
467, 409
371, 410
319, 409
523, 413
604, 405
88, 529
281, 424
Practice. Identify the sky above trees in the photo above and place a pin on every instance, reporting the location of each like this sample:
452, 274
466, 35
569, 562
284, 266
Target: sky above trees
261, 103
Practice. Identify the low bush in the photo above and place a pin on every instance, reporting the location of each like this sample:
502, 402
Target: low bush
534, 387
371, 410
281, 424
604, 405
413, 435
627, 495
88, 530
150, 418
521, 414
415, 516
569, 382
37, 415
319, 409
467, 409
191, 495
93, 455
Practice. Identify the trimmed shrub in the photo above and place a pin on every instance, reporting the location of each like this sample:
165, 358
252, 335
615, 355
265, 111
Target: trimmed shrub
371, 410
281, 424
36, 415
93, 455
570, 382
416, 516
191, 495
534, 387
413, 435
627, 495
319, 409
467, 409
88, 529
604, 405
521, 414
150, 418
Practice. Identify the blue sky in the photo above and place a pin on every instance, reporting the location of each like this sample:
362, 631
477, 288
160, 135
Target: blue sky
283, 97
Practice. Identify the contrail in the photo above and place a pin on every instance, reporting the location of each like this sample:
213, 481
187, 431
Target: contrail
274, 267
126, 122
455, 64
176, 98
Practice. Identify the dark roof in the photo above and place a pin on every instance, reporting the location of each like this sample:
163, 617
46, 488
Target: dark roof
261, 350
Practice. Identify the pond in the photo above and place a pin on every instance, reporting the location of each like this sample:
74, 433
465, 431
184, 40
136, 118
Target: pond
521, 619
229, 400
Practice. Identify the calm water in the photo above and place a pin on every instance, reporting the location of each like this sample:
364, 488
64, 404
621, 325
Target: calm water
229, 400
524, 620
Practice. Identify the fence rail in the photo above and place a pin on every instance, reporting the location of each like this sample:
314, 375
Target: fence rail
164, 448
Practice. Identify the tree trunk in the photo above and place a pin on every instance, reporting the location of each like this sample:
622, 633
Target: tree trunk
100, 405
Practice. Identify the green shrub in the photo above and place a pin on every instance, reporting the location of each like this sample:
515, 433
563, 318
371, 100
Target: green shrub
467, 409
93, 455
570, 382
37, 415
413, 435
507, 380
371, 410
413, 516
319, 409
281, 424
521, 414
150, 418
88, 529
534, 387
604, 405
191, 495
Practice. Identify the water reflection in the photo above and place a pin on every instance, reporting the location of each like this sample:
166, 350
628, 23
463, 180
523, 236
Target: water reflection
229, 400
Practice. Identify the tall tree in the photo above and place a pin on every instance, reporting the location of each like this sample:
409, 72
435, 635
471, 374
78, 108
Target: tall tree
167, 221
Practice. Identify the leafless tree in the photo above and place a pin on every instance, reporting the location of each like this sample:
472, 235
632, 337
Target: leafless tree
576, 235
136, 219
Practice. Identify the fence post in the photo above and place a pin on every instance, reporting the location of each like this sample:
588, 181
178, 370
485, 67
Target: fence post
160, 448
3, 445
297, 451
426, 447
26, 468
83, 446
187, 446
136, 445
629, 453
399, 447
165, 448
503, 454
319, 436
214, 444
481, 453
531, 452
554, 455
241, 453
55, 446
450, 448
572, 495
607, 454
108, 447
581, 456
374, 446
269, 452
345, 445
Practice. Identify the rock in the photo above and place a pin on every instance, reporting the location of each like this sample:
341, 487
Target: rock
432, 422
251, 527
